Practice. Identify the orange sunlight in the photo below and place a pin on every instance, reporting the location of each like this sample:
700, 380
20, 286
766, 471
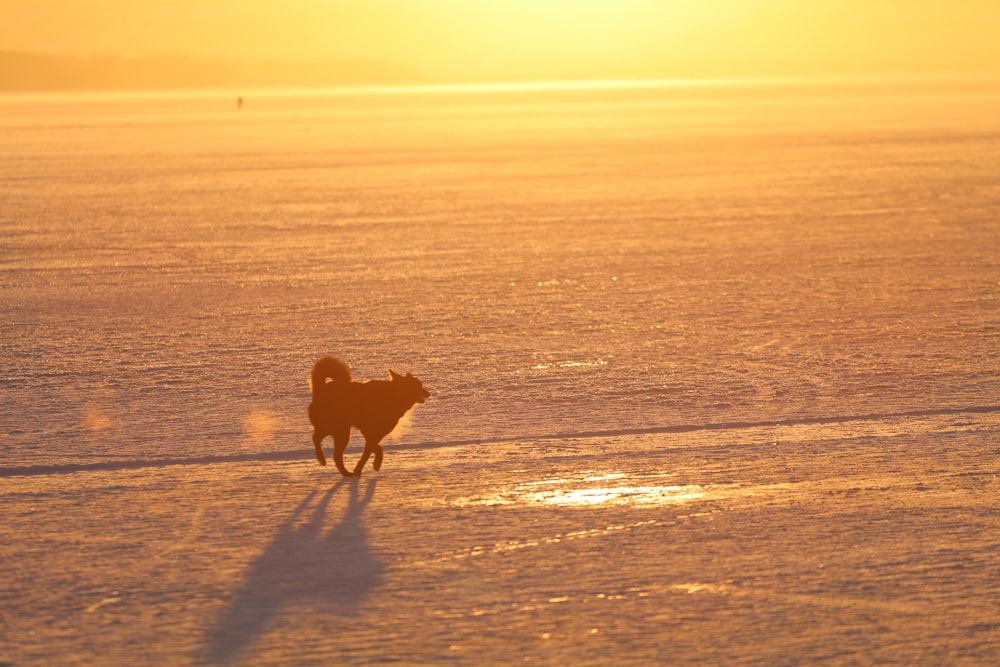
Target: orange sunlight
484, 40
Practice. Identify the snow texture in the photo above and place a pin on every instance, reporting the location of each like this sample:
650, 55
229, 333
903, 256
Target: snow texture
714, 376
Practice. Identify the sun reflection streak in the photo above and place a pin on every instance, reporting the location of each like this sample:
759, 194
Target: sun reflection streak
619, 495
588, 491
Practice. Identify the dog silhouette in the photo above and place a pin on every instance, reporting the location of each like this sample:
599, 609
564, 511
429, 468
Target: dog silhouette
373, 407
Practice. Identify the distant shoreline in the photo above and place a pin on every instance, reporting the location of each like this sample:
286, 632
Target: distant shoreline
22, 72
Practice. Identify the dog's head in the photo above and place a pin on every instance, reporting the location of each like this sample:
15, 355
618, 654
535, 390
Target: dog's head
413, 387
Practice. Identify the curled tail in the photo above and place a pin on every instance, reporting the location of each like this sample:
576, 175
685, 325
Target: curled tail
328, 370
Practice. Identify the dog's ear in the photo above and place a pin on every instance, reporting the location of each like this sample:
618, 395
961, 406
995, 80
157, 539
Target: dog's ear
393, 375
409, 375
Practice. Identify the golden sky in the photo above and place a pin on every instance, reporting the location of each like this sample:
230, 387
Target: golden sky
514, 39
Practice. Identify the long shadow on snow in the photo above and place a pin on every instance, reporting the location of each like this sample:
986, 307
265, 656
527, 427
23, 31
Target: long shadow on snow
332, 570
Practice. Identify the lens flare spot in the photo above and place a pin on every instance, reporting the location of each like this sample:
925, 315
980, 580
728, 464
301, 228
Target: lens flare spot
95, 419
259, 428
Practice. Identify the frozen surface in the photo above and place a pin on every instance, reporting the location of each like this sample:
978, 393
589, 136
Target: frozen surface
715, 376
851, 543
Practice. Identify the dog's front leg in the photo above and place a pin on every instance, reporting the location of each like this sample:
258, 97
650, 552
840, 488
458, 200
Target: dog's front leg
372, 446
364, 459
340, 441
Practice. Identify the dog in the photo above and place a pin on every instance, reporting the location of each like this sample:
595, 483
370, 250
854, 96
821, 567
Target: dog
373, 407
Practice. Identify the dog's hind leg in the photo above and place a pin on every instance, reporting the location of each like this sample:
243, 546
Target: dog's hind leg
377, 463
318, 444
341, 437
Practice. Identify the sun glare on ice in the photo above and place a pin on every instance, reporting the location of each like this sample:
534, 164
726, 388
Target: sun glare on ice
589, 491
618, 495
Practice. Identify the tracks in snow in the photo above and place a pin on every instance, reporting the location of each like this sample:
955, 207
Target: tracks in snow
305, 451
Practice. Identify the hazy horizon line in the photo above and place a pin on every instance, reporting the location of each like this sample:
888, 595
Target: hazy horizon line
401, 79
512, 86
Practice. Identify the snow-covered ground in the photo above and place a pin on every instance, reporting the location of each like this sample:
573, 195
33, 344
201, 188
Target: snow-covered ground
714, 369
865, 541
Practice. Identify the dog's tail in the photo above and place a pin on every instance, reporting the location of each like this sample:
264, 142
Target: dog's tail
328, 370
